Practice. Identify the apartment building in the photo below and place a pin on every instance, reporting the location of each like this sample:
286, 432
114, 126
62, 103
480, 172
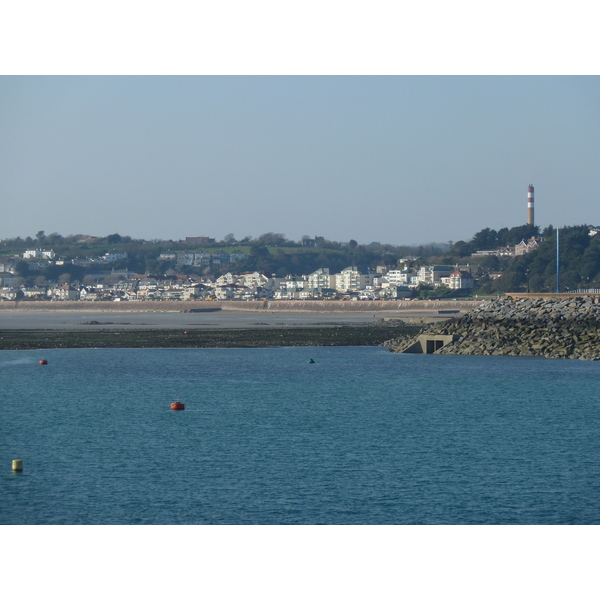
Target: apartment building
321, 279
351, 279
432, 275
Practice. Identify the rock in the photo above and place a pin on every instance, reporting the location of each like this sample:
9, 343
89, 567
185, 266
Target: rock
540, 327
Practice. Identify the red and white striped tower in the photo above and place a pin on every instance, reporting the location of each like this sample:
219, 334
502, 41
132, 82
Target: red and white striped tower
530, 205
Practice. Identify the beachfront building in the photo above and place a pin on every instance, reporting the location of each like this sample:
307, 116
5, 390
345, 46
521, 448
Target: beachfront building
253, 280
460, 280
233, 292
394, 292
397, 277
89, 293
352, 280
11, 293
63, 292
321, 278
226, 279
35, 293
432, 275
295, 294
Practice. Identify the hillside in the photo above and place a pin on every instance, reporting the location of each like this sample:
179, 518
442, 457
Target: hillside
275, 255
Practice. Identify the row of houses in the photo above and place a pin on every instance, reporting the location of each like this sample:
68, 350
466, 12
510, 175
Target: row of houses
202, 259
39, 258
523, 247
108, 257
393, 284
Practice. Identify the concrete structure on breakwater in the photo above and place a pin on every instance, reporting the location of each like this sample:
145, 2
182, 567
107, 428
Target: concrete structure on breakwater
442, 307
554, 326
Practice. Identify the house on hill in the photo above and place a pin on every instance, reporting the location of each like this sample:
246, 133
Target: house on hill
523, 247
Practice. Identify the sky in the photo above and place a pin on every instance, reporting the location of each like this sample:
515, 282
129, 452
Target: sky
396, 159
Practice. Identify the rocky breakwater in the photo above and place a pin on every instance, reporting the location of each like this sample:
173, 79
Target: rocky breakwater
549, 327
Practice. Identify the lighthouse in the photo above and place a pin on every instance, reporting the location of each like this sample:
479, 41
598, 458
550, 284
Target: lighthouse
530, 205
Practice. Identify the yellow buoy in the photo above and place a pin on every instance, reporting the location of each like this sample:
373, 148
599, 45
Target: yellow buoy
17, 465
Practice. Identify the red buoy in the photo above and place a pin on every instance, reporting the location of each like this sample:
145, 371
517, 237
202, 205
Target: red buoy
177, 405
43, 362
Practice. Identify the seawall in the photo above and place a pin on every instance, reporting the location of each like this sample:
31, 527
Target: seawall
553, 327
399, 306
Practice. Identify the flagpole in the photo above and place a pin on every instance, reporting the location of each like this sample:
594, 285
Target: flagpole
557, 262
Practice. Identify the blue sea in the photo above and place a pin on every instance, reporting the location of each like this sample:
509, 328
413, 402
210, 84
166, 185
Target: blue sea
361, 436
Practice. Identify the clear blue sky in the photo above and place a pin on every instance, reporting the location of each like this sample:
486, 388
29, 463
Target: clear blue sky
395, 159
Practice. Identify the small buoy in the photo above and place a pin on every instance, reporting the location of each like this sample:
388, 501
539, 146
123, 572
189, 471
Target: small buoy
310, 361
185, 332
17, 465
43, 362
177, 406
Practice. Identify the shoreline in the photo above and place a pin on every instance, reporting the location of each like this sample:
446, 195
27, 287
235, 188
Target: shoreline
339, 335
236, 325
68, 318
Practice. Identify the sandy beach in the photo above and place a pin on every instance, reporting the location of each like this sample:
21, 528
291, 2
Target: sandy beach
219, 315
89, 320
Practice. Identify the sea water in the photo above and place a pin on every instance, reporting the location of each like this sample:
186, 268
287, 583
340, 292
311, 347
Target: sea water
360, 436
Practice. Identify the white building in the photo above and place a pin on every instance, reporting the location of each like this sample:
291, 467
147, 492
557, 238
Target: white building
292, 283
226, 279
321, 278
64, 292
110, 257
253, 280
233, 292
432, 275
459, 280
48, 254
10, 293
397, 277
351, 279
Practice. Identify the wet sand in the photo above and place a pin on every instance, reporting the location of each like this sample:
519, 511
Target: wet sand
87, 320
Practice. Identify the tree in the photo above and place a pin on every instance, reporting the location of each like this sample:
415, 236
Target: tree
486, 239
22, 268
272, 239
114, 238
54, 238
490, 263
462, 248
548, 232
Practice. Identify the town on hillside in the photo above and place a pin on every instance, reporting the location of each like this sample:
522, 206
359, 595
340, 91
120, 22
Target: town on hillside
219, 273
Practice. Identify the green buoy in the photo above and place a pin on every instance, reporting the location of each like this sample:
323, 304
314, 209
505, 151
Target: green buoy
310, 361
